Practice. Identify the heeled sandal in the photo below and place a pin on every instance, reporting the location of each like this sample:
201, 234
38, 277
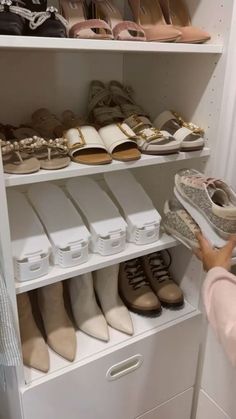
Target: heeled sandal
148, 15
79, 26
176, 13
124, 30
17, 165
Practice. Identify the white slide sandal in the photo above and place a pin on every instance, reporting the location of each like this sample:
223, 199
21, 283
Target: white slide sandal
119, 140
86, 146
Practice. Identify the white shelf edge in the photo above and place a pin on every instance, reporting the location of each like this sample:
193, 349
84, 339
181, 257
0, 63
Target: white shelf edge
75, 169
66, 44
91, 349
94, 263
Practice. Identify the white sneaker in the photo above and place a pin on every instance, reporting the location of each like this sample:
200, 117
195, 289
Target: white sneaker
106, 287
87, 314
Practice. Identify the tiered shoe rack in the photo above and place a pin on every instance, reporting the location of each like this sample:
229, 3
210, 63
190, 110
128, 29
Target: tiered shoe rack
56, 73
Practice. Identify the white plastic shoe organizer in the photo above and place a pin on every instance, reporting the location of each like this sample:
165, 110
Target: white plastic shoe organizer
68, 235
137, 208
30, 245
105, 223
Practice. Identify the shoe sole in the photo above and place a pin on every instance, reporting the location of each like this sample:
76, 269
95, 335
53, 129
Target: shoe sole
173, 306
187, 243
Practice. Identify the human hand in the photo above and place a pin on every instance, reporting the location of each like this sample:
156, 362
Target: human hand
212, 257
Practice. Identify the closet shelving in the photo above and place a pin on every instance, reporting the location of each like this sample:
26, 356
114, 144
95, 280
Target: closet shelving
76, 169
96, 262
55, 73
53, 44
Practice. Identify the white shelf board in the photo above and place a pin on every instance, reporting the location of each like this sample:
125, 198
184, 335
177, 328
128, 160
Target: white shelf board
76, 169
66, 44
89, 349
94, 263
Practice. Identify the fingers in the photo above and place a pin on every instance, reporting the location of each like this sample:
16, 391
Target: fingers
198, 253
203, 242
230, 245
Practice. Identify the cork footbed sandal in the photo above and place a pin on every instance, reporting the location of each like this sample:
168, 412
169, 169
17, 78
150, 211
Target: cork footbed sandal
86, 146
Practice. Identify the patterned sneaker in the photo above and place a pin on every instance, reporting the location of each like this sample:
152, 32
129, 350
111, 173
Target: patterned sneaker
179, 223
160, 280
213, 198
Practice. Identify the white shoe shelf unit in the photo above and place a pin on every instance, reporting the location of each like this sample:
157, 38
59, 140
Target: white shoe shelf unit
55, 73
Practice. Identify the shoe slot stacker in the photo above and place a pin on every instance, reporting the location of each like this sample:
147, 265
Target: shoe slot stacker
157, 366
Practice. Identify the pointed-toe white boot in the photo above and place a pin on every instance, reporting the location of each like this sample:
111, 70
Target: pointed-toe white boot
86, 311
115, 312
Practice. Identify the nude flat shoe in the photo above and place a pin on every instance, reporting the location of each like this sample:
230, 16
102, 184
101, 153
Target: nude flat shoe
176, 14
148, 14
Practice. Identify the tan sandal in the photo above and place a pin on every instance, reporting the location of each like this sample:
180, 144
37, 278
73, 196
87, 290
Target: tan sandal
100, 109
148, 15
52, 154
17, 165
176, 13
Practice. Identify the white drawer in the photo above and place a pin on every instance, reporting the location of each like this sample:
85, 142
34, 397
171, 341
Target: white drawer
177, 408
160, 366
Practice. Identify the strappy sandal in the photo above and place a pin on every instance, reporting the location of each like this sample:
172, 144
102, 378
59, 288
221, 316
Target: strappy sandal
122, 96
176, 13
47, 124
48, 23
52, 154
13, 18
100, 110
148, 14
124, 30
79, 26
190, 136
86, 146
17, 165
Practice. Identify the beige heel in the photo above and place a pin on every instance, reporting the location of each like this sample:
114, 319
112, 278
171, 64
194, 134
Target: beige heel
176, 14
148, 15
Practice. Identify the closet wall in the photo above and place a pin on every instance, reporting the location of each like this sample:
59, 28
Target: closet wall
189, 80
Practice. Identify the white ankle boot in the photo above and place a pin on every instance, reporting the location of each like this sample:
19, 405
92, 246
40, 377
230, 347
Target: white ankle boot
87, 314
60, 332
106, 287
34, 349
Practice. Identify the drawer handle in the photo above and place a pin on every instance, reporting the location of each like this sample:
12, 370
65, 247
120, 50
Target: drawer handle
124, 367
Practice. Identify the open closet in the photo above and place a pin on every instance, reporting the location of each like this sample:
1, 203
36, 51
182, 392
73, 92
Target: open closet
155, 373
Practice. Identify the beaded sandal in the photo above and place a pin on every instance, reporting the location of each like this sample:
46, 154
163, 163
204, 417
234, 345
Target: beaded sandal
13, 18
48, 23
17, 165
51, 153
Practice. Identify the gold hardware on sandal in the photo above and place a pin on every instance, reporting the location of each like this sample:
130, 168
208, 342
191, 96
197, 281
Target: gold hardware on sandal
190, 125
